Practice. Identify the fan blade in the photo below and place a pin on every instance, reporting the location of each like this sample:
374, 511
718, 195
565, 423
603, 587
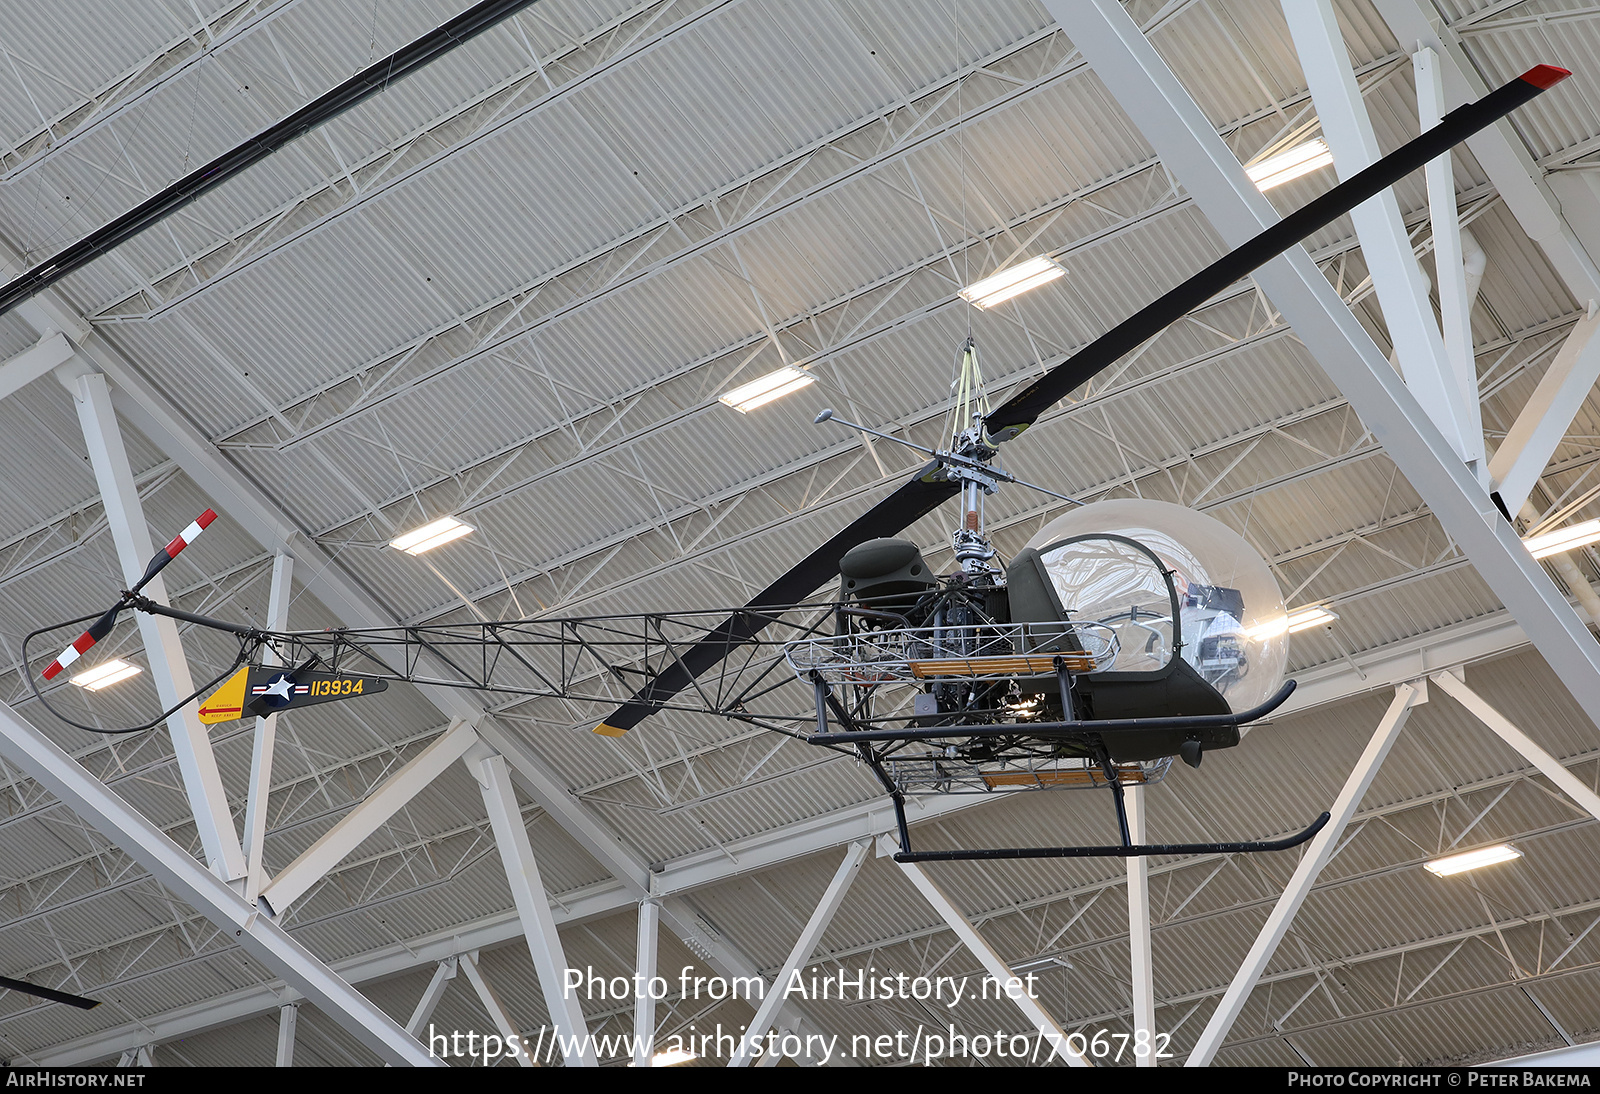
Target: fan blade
906, 505
1024, 408
48, 993
917, 497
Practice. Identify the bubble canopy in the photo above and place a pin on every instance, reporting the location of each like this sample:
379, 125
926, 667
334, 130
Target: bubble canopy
1230, 617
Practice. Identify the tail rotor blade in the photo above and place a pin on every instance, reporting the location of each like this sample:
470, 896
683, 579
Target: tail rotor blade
81, 645
173, 549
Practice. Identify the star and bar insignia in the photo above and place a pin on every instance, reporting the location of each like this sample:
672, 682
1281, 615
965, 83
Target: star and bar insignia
262, 690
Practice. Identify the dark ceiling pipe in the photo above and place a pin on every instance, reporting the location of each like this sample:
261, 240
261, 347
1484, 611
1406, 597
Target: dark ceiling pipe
354, 91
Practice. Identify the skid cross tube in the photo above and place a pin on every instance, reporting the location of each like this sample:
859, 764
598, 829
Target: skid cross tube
1135, 851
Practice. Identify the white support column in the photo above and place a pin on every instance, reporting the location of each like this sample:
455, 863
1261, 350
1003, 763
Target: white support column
442, 975
261, 939
1449, 261
804, 946
1305, 875
146, 1056
1396, 277
497, 1011
992, 963
1141, 964
255, 813
168, 667
538, 925
1498, 149
288, 1018
16, 372
1541, 424
644, 1005
1190, 148
365, 818
1550, 767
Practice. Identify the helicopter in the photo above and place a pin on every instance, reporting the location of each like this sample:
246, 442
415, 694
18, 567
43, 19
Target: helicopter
1115, 643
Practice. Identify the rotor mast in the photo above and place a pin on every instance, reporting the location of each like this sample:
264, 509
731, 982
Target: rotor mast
973, 444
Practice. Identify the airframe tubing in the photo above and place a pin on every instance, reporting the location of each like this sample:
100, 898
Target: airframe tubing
29, 749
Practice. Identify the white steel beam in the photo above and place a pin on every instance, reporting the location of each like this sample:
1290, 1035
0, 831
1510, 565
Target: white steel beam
1190, 149
1139, 949
365, 819
1355, 787
260, 789
169, 669
442, 975
804, 946
1449, 261
533, 906
1498, 149
288, 1018
992, 963
1396, 277
644, 969
18, 371
1550, 767
259, 937
1540, 425
497, 1010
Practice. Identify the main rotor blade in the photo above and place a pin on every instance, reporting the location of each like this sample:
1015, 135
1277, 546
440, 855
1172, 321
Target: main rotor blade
905, 506
1024, 408
918, 497
48, 993
357, 89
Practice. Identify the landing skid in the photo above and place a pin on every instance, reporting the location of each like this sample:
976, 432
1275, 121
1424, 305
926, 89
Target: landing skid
1090, 732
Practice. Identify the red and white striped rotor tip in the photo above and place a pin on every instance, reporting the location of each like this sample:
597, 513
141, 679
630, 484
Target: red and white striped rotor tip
191, 533
103, 625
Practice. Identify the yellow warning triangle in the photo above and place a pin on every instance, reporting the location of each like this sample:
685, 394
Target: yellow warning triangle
227, 702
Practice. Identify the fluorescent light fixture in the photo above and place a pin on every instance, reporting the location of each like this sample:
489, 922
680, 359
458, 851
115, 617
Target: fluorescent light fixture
1298, 620
105, 674
1564, 539
430, 536
1471, 860
1299, 160
774, 385
1008, 283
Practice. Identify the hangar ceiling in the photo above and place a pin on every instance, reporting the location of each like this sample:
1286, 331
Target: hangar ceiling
511, 288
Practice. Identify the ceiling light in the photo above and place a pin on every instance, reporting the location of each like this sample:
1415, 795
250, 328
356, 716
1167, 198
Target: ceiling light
1472, 860
1298, 620
430, 536
105, 674
774, 385
1008, 283
1563, 539
1299, 160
